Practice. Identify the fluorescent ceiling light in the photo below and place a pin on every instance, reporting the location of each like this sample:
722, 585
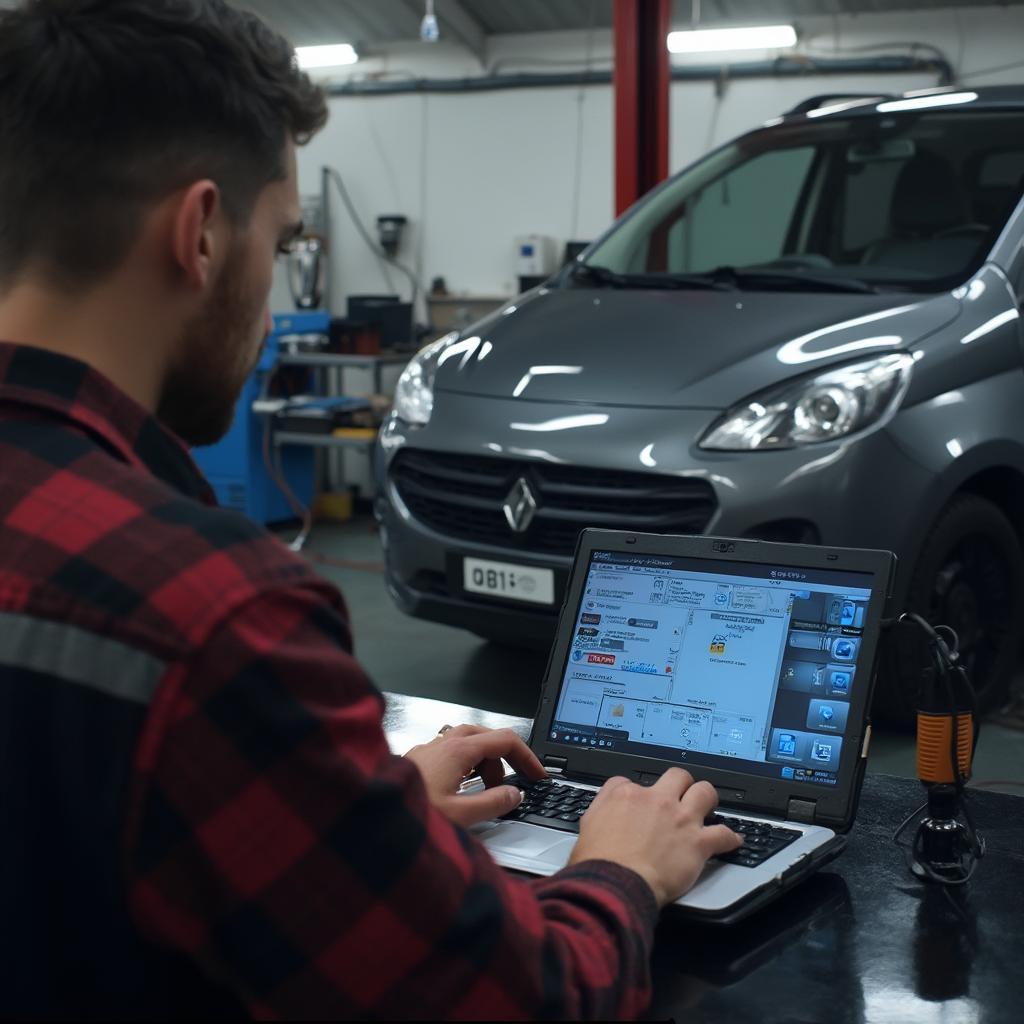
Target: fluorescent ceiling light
709, 40
948, 99
334, 56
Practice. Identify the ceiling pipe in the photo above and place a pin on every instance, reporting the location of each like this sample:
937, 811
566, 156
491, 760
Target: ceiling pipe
783, 67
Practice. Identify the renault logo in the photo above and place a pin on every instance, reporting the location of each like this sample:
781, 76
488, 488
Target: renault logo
520, 506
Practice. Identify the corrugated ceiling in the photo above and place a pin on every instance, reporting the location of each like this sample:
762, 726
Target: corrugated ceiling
377, 22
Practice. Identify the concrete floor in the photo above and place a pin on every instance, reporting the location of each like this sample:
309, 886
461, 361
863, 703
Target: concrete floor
405, 655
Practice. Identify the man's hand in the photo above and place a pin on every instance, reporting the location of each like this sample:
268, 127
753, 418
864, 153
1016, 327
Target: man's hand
658, 831
468, 750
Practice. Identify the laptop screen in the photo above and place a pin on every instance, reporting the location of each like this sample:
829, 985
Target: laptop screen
730, 665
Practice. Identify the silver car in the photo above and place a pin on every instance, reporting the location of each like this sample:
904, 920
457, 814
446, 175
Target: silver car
812, 334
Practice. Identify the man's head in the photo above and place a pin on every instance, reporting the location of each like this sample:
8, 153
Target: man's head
158, 134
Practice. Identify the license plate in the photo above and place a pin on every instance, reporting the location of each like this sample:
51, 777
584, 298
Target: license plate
512, 582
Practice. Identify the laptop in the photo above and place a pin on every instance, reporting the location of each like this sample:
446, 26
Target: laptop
749, 663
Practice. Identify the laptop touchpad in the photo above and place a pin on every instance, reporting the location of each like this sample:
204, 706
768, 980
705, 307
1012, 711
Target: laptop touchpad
529, 841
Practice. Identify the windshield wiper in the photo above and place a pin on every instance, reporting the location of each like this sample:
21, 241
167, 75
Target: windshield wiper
725, 279
603, 275
790, 280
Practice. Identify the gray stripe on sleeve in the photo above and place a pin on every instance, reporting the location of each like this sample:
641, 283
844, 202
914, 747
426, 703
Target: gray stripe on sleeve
80, 657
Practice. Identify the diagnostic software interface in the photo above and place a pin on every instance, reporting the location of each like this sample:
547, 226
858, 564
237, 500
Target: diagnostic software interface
716, 663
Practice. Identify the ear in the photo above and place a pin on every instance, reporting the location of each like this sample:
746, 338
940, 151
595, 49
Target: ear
194, 238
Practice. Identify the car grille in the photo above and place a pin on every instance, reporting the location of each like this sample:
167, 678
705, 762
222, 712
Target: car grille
463, 496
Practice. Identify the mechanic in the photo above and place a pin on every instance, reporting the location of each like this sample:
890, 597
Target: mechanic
201, 816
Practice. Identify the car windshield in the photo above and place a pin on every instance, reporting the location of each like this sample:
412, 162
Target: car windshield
909, 202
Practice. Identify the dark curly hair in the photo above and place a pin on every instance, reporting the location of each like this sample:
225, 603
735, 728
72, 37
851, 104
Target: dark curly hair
109, 105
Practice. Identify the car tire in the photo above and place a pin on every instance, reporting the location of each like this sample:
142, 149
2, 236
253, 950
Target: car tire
970, 576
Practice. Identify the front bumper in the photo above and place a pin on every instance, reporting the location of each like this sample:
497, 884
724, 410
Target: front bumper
438, 597
865, 492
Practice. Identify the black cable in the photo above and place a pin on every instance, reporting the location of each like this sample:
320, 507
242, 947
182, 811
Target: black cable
954, 732
912, 853
944, 645
945, 658
913, 47
920, 868
381, 254
410, 275
906, 821
339, 184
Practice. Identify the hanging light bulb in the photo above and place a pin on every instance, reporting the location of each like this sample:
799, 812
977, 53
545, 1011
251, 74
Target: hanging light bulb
429, 30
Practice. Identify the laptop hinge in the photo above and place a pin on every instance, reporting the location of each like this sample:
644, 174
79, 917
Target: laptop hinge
555, 764
801, 810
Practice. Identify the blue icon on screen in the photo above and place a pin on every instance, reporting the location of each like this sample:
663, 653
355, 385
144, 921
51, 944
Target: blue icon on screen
577, 655
721, 599
787, 772
841, 682
849, 613
787, 743
822, 752
844, 650
825, 713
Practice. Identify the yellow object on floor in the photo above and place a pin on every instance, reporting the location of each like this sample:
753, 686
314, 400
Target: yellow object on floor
356, 433
335, 507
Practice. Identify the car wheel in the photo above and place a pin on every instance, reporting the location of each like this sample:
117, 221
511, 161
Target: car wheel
970, 576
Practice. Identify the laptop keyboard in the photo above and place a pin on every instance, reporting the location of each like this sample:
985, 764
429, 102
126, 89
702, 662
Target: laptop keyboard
761, 839
553, 804
556, 805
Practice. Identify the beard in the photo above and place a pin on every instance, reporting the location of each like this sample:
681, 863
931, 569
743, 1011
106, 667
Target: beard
215, 356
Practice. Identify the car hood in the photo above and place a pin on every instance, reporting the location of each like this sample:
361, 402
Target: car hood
676, 349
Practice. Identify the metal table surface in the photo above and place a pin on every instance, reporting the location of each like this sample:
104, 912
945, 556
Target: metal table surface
860, 941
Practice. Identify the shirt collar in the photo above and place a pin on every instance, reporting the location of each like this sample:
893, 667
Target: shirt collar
69, 389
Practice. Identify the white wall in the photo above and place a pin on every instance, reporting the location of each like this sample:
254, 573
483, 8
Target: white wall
473, 171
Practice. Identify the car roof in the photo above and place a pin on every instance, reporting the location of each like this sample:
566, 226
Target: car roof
991, 97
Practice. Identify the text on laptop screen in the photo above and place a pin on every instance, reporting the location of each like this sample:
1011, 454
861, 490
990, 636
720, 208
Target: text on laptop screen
714, 663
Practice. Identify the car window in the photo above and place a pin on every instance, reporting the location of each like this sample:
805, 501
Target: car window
867, 199
997, 184
733, 222
1002, 170
907, 201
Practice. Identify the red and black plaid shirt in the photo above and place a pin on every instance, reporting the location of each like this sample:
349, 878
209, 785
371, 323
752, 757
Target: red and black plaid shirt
267, 834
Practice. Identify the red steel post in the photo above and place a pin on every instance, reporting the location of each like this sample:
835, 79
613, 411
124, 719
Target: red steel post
641, 97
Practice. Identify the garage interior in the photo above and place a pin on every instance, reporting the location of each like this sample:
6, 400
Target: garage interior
512, 509
516, 100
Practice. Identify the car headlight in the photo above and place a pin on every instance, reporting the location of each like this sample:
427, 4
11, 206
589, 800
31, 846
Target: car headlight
814, 409
414, 392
